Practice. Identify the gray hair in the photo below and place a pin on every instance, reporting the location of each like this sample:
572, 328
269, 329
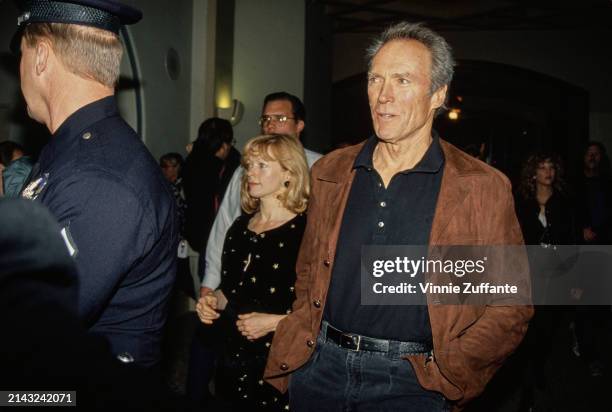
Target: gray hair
442, 62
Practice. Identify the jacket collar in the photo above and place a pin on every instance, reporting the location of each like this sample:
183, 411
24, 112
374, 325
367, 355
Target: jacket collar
432, 160
457, 163
453, 190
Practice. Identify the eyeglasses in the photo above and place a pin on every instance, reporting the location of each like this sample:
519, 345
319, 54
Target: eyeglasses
278, 118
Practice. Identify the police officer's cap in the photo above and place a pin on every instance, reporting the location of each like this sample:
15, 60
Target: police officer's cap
103, 14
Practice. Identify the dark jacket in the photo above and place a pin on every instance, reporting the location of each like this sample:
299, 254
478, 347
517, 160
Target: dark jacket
595, 207
561, 227
118, 217
205, 178
45, 346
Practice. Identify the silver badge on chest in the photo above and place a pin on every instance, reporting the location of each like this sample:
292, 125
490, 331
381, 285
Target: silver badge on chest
34, 188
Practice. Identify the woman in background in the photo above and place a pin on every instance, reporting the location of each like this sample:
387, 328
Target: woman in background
544, 209
258, 269
547, 217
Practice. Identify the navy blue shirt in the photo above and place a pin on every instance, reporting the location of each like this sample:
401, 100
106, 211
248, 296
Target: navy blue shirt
400, 214
118, 220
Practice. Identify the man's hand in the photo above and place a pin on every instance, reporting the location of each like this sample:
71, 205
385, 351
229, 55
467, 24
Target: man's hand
206, 308
205, 291
589, 235
254, 325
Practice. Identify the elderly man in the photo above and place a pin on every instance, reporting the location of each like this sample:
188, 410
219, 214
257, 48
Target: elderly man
402, 186
95, 175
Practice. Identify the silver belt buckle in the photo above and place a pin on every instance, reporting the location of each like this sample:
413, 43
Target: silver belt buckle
358, 345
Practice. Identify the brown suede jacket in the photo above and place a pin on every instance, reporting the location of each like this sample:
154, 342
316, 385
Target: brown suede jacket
475, 207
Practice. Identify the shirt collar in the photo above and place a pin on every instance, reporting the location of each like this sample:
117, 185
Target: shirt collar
87, 116
431, 162
64, 137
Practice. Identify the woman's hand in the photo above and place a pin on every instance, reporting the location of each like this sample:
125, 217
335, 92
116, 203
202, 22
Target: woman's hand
206, 308
254, 325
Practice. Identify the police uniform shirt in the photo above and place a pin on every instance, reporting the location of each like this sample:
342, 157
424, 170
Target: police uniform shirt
118, 221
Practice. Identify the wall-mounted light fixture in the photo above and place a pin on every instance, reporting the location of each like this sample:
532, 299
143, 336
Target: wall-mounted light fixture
231, 112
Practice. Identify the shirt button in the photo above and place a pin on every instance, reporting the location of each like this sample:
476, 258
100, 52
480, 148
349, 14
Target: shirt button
316, 303
125, 357
327, 262
381, 224
379, 184
383, 204
310, 343
284, 366
86, 135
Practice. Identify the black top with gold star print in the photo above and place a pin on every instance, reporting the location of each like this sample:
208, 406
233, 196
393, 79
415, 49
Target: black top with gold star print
258, 275
258, 269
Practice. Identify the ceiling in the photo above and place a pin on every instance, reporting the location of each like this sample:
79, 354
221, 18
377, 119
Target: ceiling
365, 16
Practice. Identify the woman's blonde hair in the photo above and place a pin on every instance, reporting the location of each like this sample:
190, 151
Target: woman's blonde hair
287, 151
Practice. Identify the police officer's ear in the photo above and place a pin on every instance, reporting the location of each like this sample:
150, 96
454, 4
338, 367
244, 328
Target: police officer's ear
43, 51
438, 97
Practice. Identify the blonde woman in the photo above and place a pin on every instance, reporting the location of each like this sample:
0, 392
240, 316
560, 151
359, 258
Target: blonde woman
258, 268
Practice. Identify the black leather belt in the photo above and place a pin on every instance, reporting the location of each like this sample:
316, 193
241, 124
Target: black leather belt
356, 342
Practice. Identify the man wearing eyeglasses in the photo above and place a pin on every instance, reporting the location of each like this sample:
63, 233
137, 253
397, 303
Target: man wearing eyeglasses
282, 113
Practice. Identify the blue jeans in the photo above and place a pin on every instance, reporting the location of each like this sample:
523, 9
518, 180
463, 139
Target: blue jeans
338, 379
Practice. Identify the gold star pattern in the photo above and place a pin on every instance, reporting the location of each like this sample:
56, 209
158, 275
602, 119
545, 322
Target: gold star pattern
281, 244
272, 290
253, 279
262, 235
260, 382
275, 266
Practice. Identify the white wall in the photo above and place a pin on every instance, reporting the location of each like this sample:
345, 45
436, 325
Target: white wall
268, 56
166, 101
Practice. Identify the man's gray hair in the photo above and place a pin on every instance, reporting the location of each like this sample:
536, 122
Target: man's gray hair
442, 62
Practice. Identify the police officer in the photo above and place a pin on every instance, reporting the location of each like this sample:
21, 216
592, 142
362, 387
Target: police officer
115, 210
